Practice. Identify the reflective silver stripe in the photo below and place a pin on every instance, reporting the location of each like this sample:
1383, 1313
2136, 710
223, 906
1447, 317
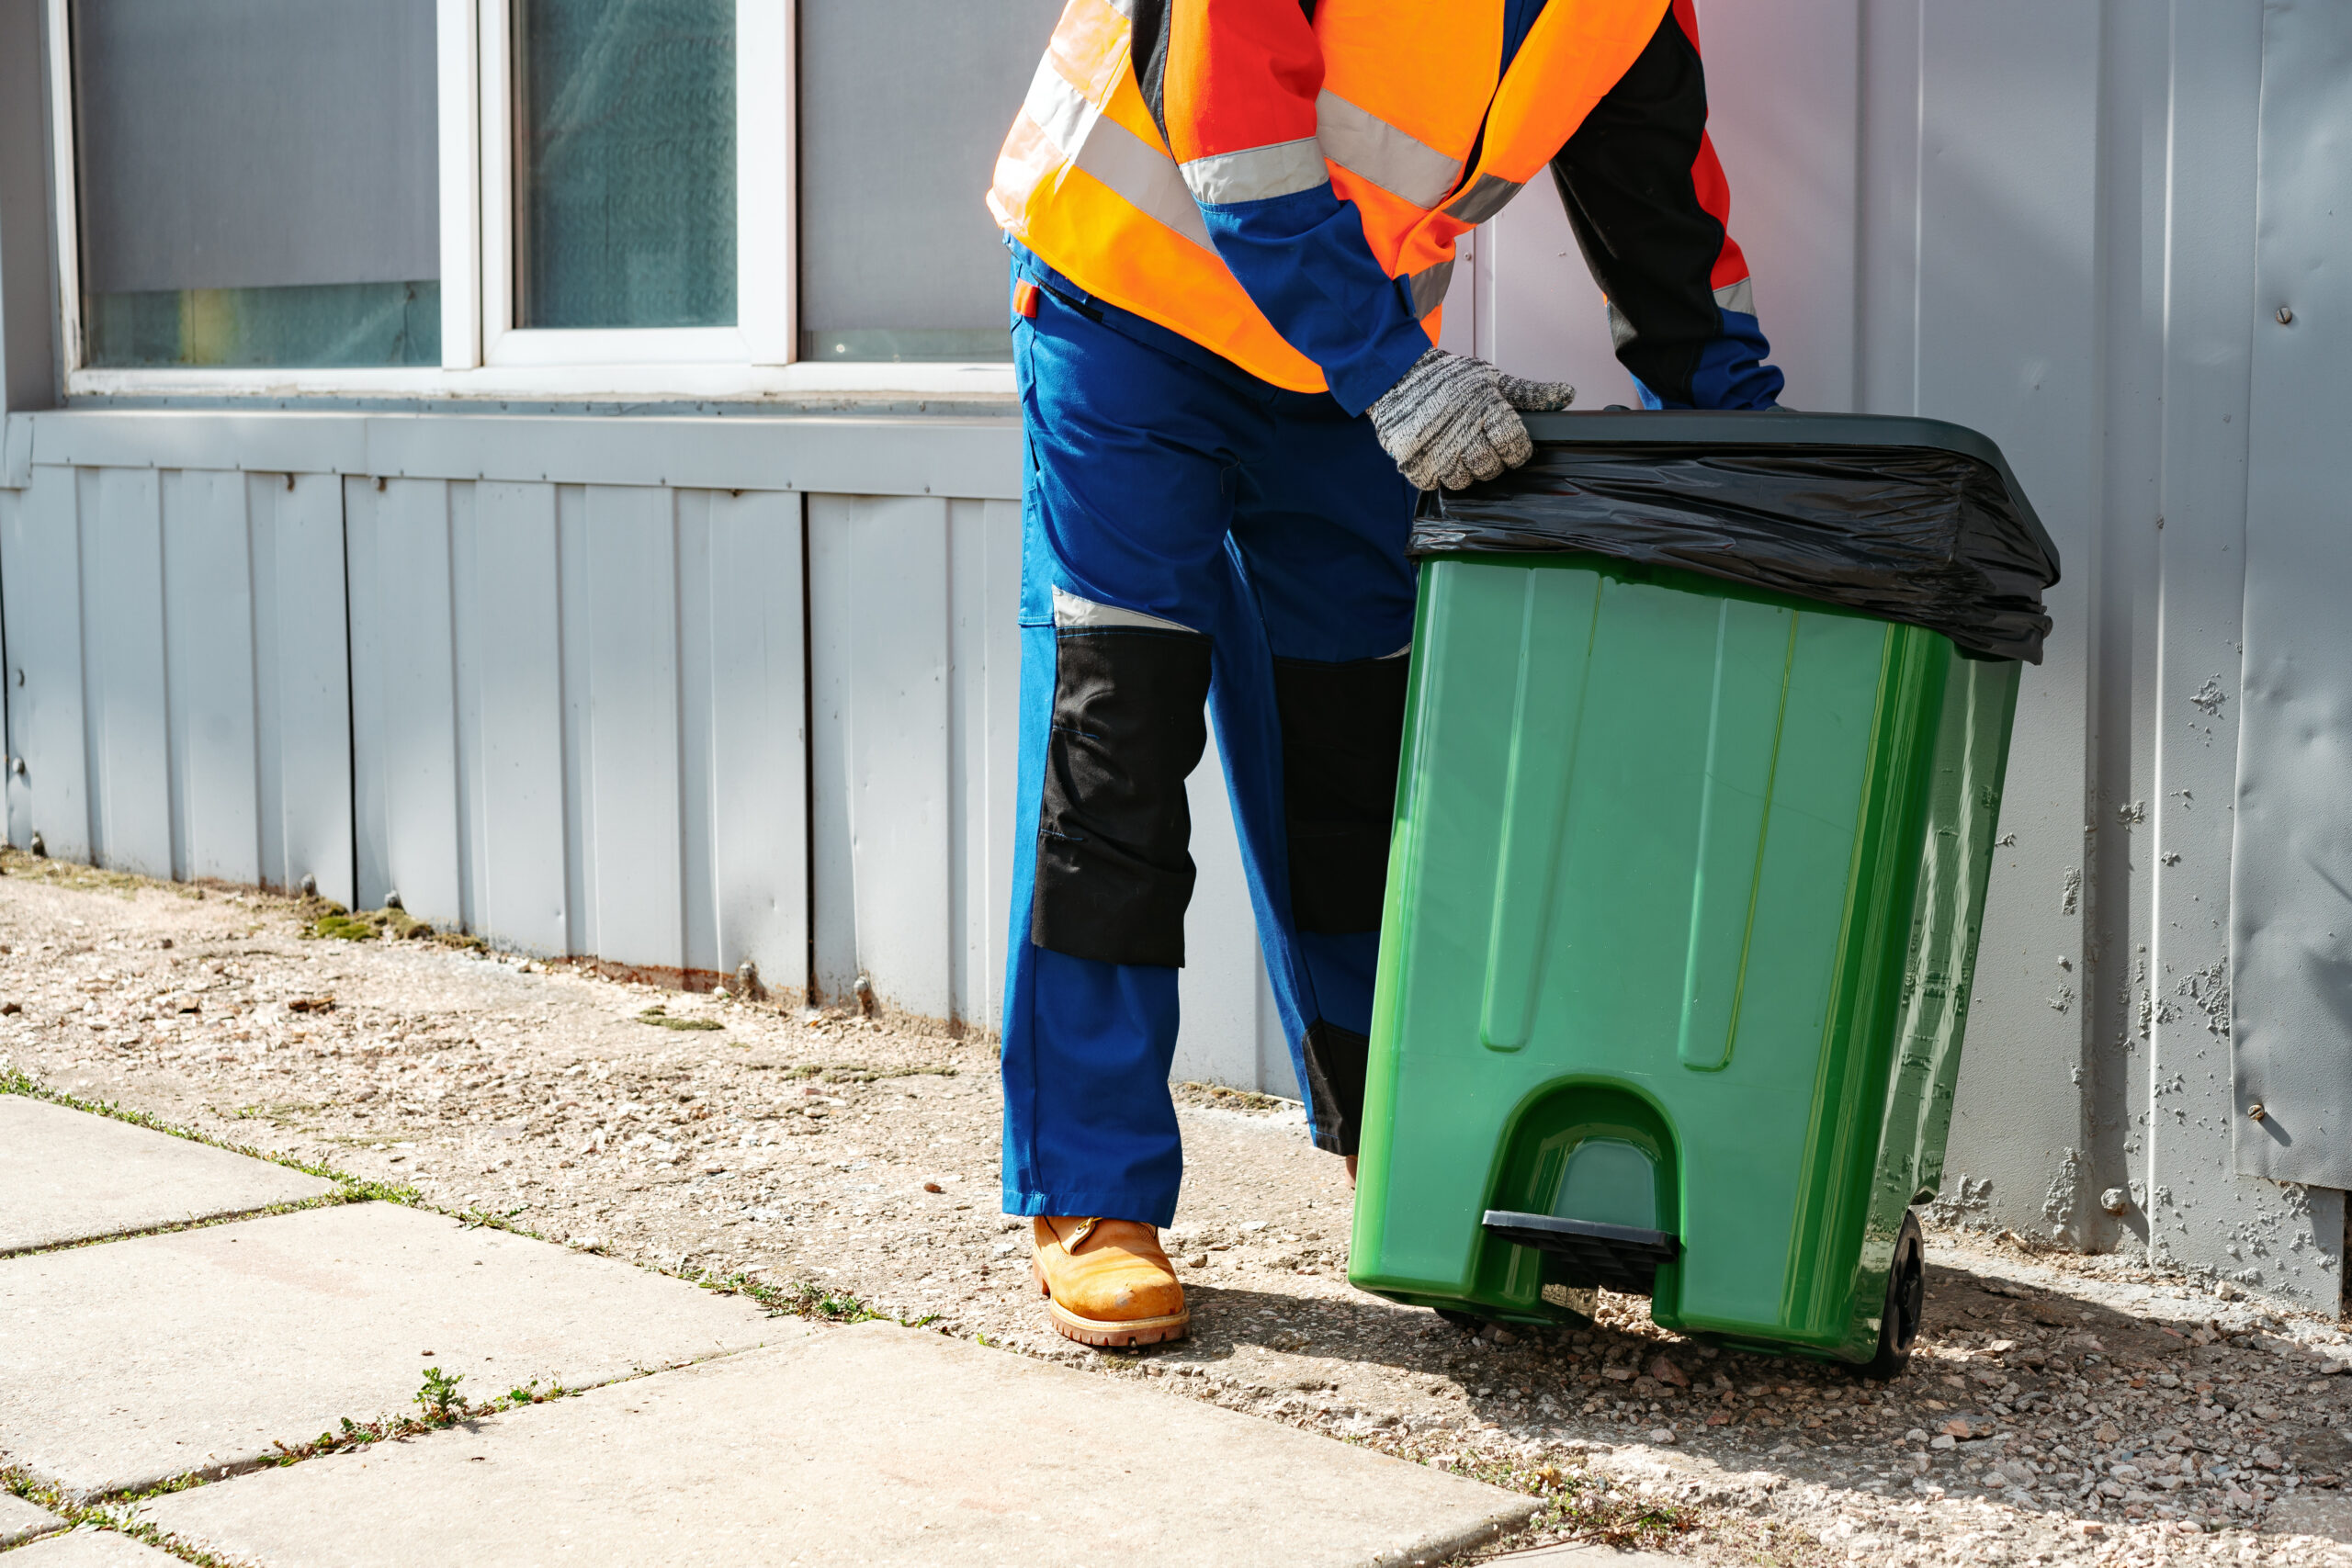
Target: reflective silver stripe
1124, 7
1487, 195
1281, 168
1145, 176
1429, 286
1621, 327
1070, 610
1363, 143
1399, 653
1060, 110
1739, 296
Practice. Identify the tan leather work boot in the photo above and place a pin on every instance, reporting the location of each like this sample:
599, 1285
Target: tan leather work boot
1107, 1281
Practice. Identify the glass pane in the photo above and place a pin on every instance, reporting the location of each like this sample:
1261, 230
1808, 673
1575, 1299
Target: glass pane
626, 148
258, 182
898, 256
311, 324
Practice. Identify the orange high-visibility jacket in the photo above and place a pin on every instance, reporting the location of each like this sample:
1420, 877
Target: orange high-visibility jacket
1396, 103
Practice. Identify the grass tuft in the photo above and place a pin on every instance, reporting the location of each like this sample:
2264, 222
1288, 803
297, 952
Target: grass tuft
660, 1017
331, 922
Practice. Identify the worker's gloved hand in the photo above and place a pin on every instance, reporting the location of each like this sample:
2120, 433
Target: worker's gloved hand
1452, 420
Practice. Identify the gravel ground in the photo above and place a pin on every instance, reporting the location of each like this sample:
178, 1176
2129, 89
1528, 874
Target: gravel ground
2060, 1409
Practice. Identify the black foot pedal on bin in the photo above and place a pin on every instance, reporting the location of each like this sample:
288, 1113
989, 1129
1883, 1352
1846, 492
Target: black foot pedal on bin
1620, 1256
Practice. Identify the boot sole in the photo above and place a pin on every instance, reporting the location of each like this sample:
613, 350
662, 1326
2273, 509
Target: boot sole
1109, 1332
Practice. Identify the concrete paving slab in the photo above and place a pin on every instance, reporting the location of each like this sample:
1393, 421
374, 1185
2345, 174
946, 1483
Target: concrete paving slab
127, 1364
876, 1445
69, 1175
19, 1520
90, 1548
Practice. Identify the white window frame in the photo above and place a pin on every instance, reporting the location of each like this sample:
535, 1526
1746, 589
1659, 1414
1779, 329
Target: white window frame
483, 354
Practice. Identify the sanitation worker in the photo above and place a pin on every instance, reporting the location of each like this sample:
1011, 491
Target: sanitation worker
1232, 225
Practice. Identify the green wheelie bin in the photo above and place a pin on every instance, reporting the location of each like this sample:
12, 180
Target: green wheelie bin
1701, 784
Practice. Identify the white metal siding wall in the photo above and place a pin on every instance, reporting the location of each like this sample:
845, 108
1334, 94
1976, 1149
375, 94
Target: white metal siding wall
175, 654
2293, 883
577, 722
917, 680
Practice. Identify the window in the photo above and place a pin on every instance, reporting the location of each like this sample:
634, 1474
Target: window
625, 163
900, 258
514, 196
257, 182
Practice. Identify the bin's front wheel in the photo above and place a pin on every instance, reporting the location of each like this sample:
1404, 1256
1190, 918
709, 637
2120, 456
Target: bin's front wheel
1906, 1296
1469, 1322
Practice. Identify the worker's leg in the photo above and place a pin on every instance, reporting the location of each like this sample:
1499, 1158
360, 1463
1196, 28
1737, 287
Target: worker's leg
1128, 496
1310, 702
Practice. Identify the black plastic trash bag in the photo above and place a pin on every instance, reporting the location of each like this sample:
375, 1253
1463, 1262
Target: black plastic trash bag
1909, 520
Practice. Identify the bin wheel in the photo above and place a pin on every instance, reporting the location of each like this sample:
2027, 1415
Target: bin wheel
1906, 1296
1469, 1322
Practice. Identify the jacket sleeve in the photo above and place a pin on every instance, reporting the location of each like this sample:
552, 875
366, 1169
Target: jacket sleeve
1649, 203
1232, 84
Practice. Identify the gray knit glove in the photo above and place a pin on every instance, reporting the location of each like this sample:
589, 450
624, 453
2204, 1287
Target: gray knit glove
1452, 420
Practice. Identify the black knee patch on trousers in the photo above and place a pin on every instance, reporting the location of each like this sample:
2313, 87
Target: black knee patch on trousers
1343, 726
1114, 870
1335, 1069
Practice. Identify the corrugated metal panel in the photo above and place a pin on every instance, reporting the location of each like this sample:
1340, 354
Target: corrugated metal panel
631, 626
302, 682
2173, 1110
577, 717
913, 607
404, 695
984, 664
208, 581
750, 614
2293, 903
176, 656
40, 574
882, 632
128, 741
518, 710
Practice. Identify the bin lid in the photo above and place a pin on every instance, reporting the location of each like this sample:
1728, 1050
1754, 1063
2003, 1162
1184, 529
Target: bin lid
1910, 520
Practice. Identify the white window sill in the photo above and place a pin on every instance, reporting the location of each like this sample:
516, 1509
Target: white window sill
555, 383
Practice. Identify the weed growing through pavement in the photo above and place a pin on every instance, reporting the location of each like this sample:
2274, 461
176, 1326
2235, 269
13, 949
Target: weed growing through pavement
806, 1298
1578, 1507
818, 1302
441, 1405
114, 1511
439, 1395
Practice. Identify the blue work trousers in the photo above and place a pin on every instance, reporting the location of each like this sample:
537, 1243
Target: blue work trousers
1189, 532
